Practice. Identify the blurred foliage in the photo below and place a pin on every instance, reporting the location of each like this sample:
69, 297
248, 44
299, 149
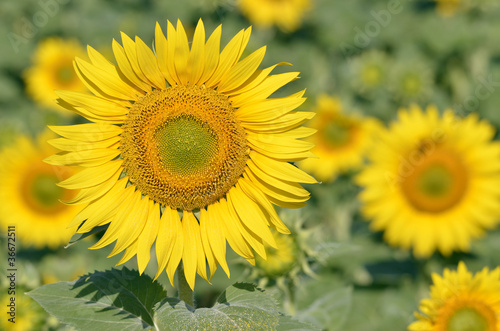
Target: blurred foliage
375, 55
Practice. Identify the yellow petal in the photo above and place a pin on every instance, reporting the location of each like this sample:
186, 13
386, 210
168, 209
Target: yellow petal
147, 236
89, 132
191, 233
212, 53
268, 86
103, 209
131, 225
91, 176
91, 193
169, 243
214, 232
95, 104
231, 232
131, 51
281, 124
162, 57
251, 215
292, 187
250, 237
148, 65
85, 158
196, 60
181, 52
258, 197
108, 82
242, 71
129, 203
281, 170
269, 109
75, 145
129, 253
254, 80
278, 196
126, 67
211, 259
229, 56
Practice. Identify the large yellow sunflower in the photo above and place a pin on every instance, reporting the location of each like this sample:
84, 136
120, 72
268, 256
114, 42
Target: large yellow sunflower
30, 196
433, 182
341, 142
52, 69
286, 14
187, 150
460, 301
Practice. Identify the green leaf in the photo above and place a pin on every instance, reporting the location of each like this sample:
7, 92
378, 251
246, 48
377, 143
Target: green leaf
240, 307
287, 323
327, 310
110, 300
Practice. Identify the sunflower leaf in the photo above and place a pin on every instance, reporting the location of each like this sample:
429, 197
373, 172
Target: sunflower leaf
327, 309
287, 323
109, 300
240, 307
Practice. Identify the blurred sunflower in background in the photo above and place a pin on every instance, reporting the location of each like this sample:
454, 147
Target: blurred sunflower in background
187, 150
447, 8
369, 72
30, 196
433, 181
341, 142
461, 301
27, 314
52, 69
285, 14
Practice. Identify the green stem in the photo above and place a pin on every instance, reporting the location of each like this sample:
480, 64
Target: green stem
186, 294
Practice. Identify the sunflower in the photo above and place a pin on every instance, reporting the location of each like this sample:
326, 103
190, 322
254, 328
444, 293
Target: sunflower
341, 142
187, 149
461, 301
286, 14
280, 259
447, 8
434, 181
369, 72
30, 196
53, 70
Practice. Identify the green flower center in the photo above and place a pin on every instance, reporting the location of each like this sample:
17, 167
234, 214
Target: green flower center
337, 134
372, 75
467, 319
65, 74
186, 145
412, 84
45, 191
436, 181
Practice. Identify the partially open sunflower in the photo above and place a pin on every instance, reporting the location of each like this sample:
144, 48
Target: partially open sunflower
187, 150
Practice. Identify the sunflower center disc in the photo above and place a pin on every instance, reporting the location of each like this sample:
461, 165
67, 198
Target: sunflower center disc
437, 182
183, 146
40, 191
467, 319
186, 145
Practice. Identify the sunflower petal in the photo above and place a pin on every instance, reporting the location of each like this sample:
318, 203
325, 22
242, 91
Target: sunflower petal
148, 64
91, 176
88, 132
196, 60
147, 236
